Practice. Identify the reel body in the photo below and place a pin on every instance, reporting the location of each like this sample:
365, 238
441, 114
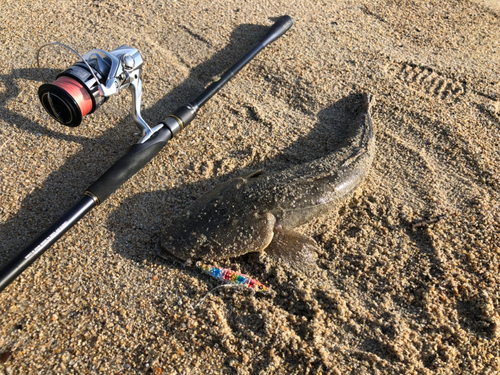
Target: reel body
86, 85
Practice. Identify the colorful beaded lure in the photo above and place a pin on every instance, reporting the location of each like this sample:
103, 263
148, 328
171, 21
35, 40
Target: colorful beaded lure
232, 277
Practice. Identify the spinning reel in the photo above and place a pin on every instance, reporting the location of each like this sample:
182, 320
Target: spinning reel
85, 86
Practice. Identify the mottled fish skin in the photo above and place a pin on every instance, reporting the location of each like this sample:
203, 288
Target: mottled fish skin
258, 212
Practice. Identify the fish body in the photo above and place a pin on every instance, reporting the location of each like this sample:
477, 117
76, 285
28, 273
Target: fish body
258, 212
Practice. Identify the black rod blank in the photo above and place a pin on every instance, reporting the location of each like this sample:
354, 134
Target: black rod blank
34, 250
277, 30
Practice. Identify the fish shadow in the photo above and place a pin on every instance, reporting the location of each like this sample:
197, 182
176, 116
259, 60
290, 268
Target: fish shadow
138, 240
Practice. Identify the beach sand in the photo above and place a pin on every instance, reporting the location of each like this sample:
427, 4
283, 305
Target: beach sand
392, 294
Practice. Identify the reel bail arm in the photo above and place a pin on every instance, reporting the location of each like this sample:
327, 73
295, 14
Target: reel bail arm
125, 72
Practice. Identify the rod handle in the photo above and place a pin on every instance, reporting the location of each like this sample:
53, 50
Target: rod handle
136, 157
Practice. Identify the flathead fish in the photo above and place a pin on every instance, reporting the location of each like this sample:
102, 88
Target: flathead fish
259, 212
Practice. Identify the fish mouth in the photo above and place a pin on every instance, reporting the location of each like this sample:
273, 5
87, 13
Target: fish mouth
167, 246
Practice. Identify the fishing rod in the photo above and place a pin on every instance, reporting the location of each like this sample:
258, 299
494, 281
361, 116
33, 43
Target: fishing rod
83, 88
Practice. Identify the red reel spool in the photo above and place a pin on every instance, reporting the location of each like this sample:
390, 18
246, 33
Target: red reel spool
77, 91
66, 100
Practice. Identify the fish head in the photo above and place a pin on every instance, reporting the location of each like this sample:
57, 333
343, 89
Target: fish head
219, 226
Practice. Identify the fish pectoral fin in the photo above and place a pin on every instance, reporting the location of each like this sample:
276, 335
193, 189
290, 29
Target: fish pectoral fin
294, 249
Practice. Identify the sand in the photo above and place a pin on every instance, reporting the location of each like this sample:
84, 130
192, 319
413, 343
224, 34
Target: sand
408, 278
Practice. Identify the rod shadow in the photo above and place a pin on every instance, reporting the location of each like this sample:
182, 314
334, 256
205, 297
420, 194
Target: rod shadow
99, 153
